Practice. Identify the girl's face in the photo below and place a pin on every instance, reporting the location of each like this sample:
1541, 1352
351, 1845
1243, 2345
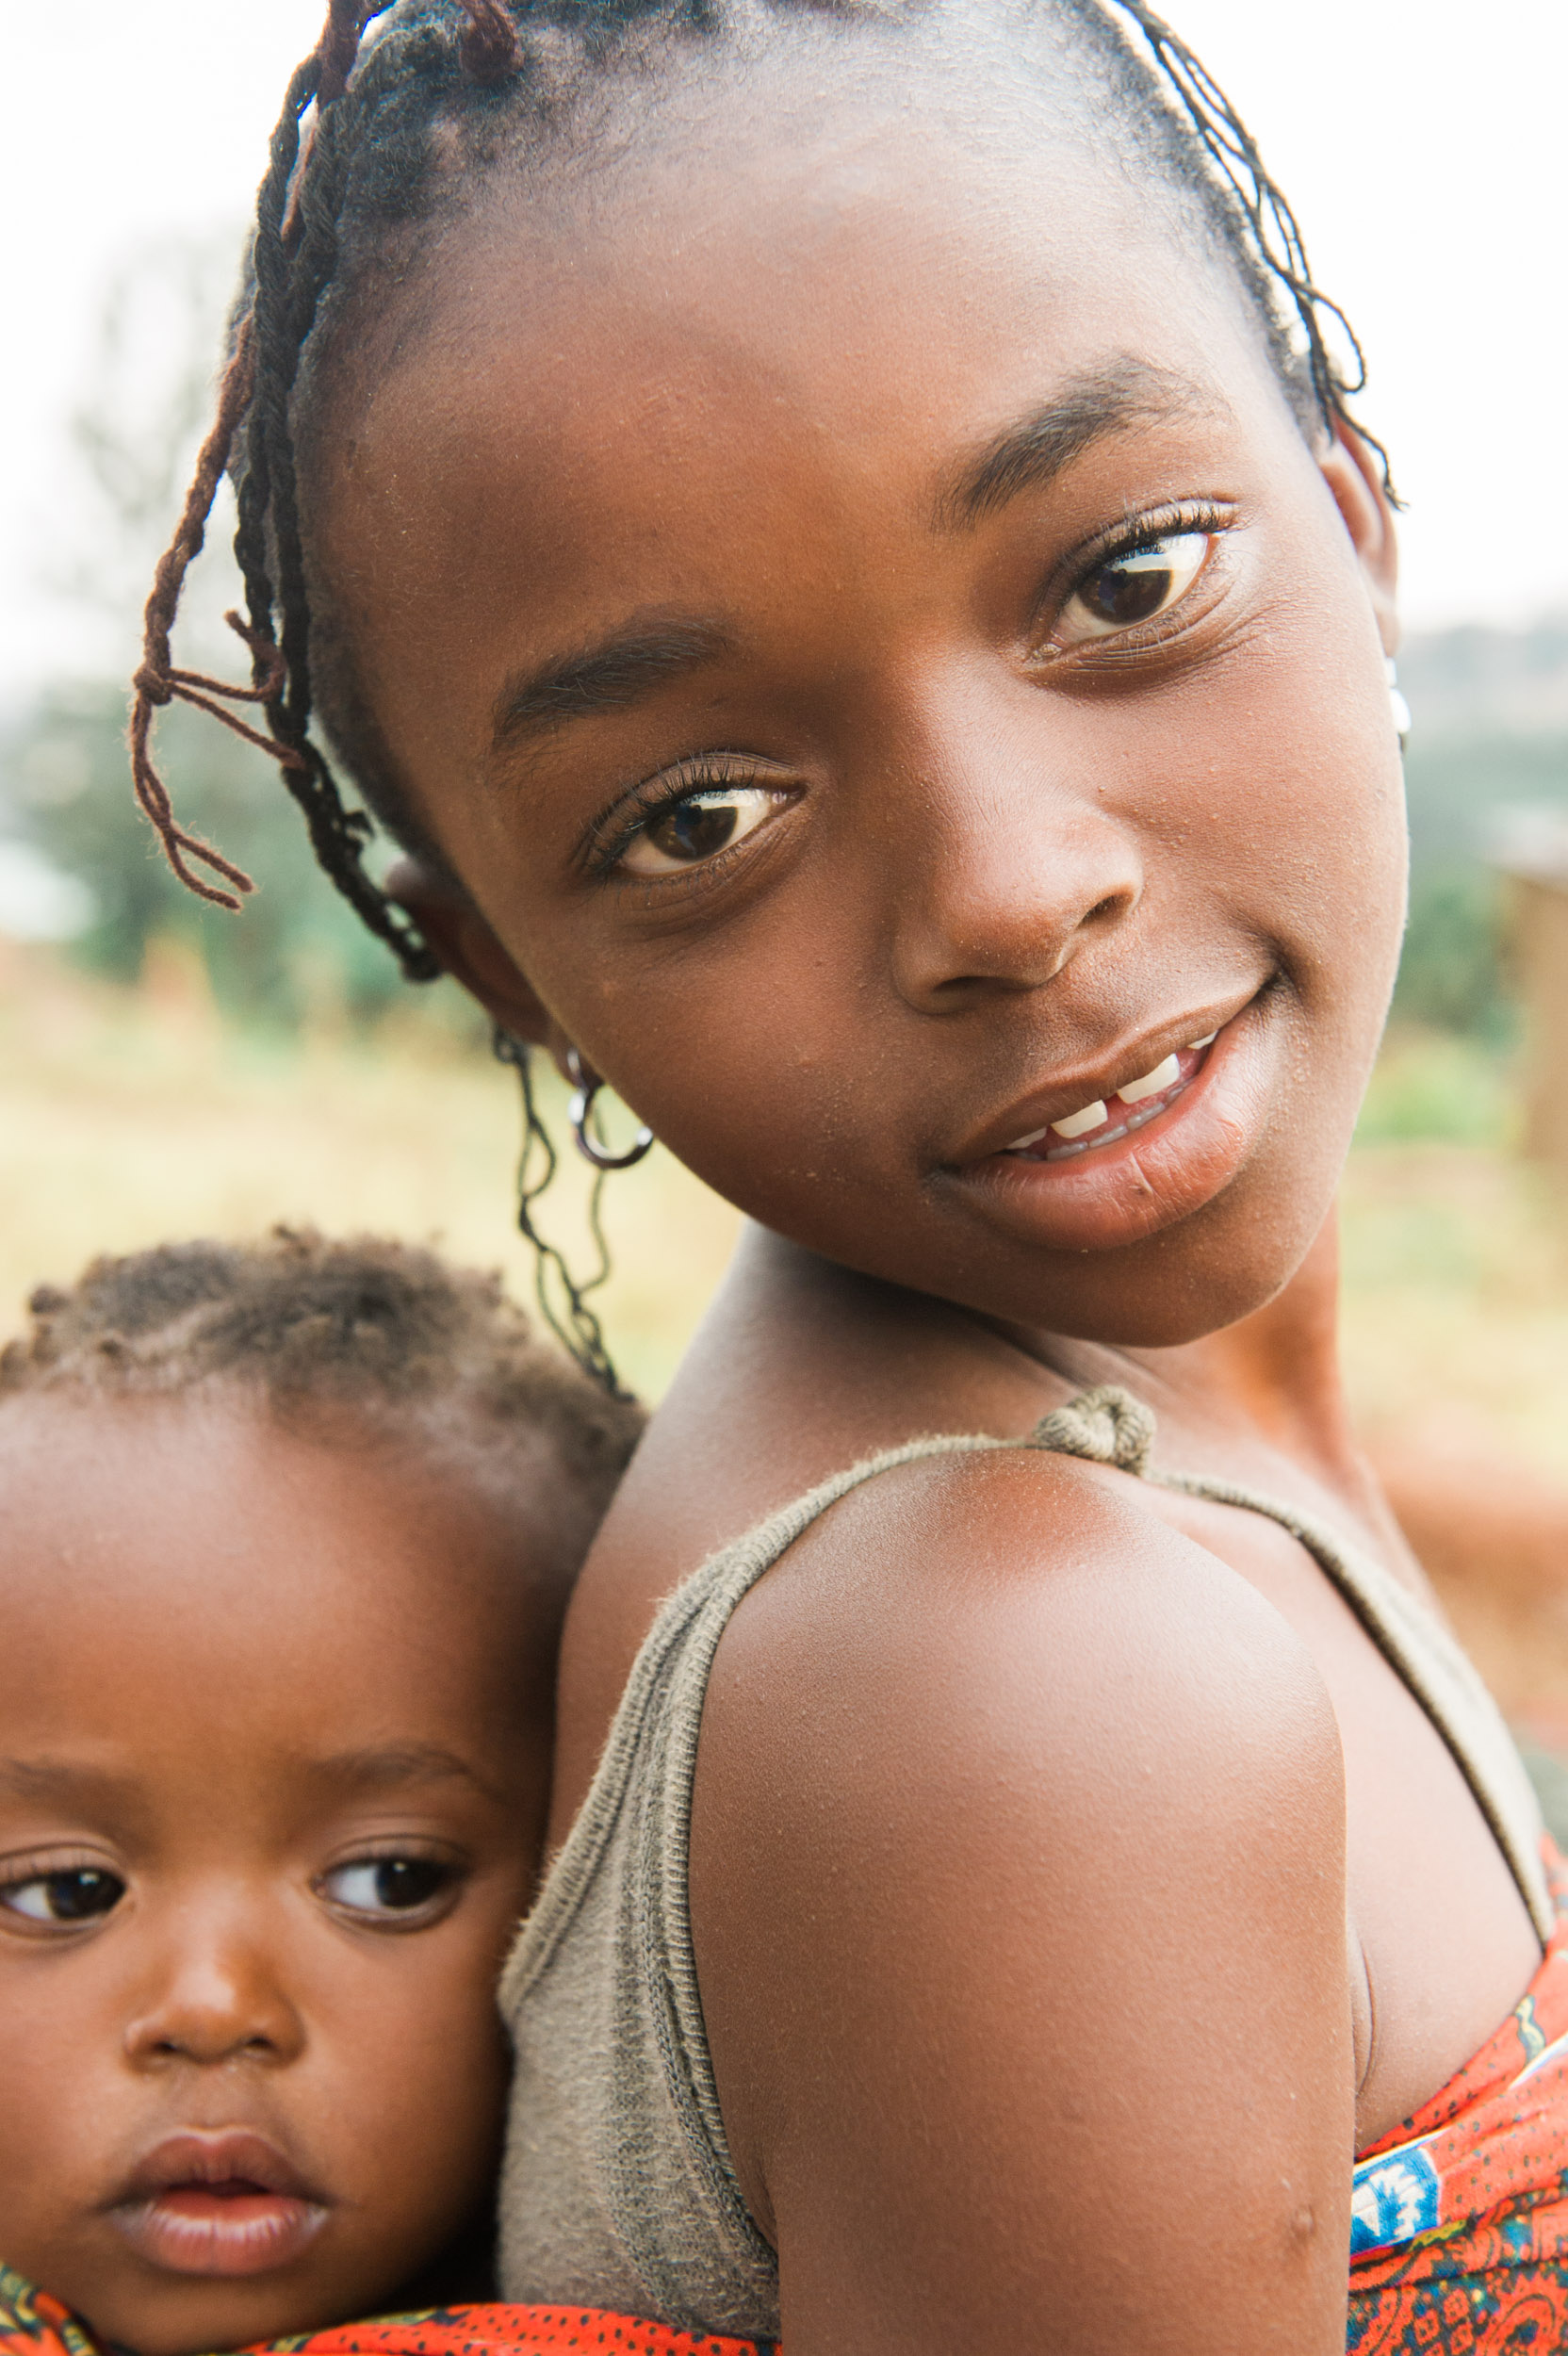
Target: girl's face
846, 591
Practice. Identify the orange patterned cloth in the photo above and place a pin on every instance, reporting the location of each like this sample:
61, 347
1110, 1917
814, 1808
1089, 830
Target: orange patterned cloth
33, 2324
1458, 2221
513, 2331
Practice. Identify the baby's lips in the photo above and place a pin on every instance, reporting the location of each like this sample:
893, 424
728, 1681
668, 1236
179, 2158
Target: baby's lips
225, 2204
202, 2156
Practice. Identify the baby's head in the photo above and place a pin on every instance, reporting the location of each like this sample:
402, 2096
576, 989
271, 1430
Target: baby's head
289, 1533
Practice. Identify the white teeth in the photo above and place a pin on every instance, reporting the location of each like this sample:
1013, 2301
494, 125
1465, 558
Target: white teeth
1019, 1144
1207, 1040
1079, 1124
1151, 1082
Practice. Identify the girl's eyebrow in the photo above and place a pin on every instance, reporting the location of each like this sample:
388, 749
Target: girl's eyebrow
628, 663
1029, 454
641, 654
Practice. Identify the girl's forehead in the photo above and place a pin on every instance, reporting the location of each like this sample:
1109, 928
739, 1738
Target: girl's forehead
879, 301
840, 194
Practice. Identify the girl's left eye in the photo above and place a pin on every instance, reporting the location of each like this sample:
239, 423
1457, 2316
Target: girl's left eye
685, 832
1134, 585
383, 1888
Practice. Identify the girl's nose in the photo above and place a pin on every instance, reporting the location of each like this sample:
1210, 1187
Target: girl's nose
215, 1996
1015, 876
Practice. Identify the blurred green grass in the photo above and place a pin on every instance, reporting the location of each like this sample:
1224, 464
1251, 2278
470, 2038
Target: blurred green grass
128, 1116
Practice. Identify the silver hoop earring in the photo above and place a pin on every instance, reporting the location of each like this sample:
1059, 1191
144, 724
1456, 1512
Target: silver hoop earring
1396, 703
580, 1111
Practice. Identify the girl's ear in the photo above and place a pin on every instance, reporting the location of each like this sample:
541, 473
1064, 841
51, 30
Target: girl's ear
469, 952
1354, 474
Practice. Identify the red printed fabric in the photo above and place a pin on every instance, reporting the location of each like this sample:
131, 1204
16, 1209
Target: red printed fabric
1459, 2223
513, 2331
33, 2324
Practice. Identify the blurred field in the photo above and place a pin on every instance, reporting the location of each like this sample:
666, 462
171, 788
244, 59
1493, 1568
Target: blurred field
128, 1116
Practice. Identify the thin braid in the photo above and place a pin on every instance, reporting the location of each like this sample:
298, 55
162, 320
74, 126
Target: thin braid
158, 683
488, 49
256, 387
1275, 229
293, 263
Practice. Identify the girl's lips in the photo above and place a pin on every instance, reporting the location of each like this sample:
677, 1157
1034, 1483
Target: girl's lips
1158, 1171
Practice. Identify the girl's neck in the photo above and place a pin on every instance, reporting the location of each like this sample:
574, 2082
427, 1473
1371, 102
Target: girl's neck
1271, 1384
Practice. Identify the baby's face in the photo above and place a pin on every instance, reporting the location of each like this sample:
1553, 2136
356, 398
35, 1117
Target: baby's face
273, 1772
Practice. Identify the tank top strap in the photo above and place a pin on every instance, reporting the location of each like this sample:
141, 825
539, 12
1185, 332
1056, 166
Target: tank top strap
1109, 1426
669, 1678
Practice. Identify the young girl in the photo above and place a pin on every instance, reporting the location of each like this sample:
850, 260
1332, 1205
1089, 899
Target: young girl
833, 537
289, 1530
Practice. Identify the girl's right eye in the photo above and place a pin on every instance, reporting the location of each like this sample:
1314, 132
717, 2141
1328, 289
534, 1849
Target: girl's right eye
63, 1901
699, 826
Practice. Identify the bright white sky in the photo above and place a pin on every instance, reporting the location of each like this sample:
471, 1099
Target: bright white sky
1421, 145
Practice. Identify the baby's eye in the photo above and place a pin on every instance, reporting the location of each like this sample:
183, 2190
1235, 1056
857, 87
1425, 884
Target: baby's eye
59, 1901
1134, 585
684, 833
383, 1888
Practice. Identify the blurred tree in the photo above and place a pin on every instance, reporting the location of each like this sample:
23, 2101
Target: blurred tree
1451, 974
295, 952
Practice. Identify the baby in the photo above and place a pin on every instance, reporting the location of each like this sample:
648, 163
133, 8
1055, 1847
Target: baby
288, 1532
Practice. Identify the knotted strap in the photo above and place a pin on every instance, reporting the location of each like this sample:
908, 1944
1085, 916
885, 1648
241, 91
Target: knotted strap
1106, 1425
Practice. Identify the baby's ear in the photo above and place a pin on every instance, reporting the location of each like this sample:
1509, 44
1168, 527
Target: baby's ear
1353, 470
469, 950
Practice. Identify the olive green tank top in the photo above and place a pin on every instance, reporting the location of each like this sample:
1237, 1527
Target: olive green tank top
617, 2190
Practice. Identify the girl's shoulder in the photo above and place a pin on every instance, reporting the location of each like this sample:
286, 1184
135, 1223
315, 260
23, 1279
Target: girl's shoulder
1024, 1590
1003, 1781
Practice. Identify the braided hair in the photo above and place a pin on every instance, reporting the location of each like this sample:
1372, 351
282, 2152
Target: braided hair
396, 126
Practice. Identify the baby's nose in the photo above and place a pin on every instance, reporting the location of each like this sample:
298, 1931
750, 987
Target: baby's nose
214, 1995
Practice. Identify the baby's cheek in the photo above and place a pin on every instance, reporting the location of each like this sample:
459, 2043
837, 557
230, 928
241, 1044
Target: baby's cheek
413, 2105
59, 2120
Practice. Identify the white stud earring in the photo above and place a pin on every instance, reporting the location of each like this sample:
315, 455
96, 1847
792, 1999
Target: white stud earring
1396, 703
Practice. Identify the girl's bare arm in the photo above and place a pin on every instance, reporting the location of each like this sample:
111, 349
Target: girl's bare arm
1018, 1891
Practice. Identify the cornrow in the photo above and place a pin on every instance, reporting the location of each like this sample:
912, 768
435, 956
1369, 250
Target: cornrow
1276, 233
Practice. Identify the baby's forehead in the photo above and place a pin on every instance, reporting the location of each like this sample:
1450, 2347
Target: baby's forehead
198, 1537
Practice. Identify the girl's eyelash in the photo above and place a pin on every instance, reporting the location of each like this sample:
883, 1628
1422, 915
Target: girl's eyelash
1134, 538
614, 832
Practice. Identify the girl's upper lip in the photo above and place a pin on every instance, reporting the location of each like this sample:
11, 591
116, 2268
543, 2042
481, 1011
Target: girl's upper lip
198, 2156
1099, 1080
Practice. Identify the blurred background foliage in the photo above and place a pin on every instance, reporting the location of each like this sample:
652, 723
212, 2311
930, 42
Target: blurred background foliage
296, 958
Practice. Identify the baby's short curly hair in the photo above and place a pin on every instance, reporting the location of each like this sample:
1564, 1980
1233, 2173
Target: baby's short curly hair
336, 1334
